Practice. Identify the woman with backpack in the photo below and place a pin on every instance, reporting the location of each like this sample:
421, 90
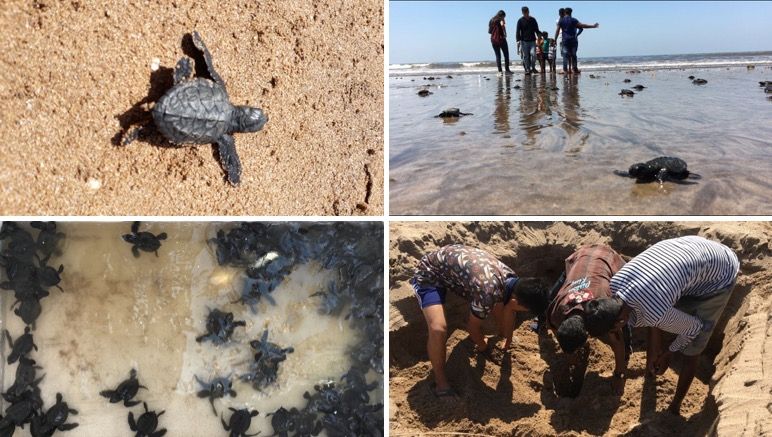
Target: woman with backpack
498, 31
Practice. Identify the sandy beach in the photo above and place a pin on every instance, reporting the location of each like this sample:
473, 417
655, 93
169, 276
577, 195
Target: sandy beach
545, 145
730, 395
71, 72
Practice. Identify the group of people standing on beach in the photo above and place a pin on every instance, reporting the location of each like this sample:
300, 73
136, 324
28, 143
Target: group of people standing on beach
680, 286
534, 45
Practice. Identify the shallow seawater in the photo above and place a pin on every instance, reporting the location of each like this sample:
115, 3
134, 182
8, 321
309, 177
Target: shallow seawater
543, 151
118, 312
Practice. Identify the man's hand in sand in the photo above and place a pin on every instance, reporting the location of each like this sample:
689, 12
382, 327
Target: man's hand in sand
658, 366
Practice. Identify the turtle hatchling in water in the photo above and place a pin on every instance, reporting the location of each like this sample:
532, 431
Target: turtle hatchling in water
198, 111
659, 169
452, 113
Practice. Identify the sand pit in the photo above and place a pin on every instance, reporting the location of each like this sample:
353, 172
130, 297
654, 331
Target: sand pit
732, 394
71, 73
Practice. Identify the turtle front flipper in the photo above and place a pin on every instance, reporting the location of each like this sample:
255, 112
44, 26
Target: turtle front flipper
183, 70
229, 159
199, 43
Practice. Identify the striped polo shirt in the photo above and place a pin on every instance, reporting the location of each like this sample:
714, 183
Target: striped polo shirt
652, 282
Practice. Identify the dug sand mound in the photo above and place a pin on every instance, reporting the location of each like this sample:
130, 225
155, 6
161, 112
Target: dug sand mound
730, 396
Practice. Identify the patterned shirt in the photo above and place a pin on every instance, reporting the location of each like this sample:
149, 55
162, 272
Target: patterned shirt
653, 281
588, 273
467, 271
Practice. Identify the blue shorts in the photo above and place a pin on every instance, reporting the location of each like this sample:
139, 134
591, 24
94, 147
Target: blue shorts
428, 295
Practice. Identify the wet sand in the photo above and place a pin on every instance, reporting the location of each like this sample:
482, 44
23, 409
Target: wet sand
118, 312
70, 70
541, 151
729, 396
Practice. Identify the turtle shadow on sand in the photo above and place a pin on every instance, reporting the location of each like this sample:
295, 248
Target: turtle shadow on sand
476, 400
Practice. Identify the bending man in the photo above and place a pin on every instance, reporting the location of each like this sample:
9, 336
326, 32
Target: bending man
486, 283
588, 273
679, 286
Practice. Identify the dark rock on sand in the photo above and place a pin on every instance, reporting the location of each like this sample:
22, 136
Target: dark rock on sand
424, 93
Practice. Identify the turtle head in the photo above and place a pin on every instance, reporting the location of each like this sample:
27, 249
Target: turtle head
638, 170
249, 119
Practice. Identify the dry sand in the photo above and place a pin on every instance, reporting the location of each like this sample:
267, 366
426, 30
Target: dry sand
731, 395
69, 70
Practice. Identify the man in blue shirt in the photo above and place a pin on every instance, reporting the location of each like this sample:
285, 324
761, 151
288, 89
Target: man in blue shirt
569, 26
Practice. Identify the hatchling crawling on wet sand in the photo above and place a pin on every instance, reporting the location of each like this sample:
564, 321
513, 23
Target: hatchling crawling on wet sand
198, 111
661, 169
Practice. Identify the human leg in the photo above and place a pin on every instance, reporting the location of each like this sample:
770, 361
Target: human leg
497, 51
564, 56
709, 311
505, 49
685, 379
527, 47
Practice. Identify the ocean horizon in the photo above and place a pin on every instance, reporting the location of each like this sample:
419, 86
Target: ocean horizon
602, 63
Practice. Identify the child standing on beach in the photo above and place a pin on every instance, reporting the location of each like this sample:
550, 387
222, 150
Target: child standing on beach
544, 45
552, 55
541, 55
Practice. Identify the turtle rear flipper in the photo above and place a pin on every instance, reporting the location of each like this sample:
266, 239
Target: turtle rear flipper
199, 43
136, 132
183, 70
229, 159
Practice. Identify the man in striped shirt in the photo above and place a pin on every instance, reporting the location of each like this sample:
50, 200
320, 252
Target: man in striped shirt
680, 286
486, 283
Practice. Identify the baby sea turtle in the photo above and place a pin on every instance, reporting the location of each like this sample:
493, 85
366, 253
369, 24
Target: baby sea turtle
638, 87
144, 241
699, 81
216, 388
691, 77
21, 347
265, 368
125, 391
627, 81
424, 93
198, 111
26, 380
626, 93
219, 327
54, 419
659, 169
239, 423
452, 113
283, 421
147, 423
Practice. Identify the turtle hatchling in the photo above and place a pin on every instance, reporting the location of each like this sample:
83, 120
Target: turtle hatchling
198, 111
452, 113
659, 169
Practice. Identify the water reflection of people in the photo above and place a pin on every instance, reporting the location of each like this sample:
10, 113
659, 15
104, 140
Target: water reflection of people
501, 107
572, 122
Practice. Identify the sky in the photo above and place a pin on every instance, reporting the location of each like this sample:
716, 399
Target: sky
458, 31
